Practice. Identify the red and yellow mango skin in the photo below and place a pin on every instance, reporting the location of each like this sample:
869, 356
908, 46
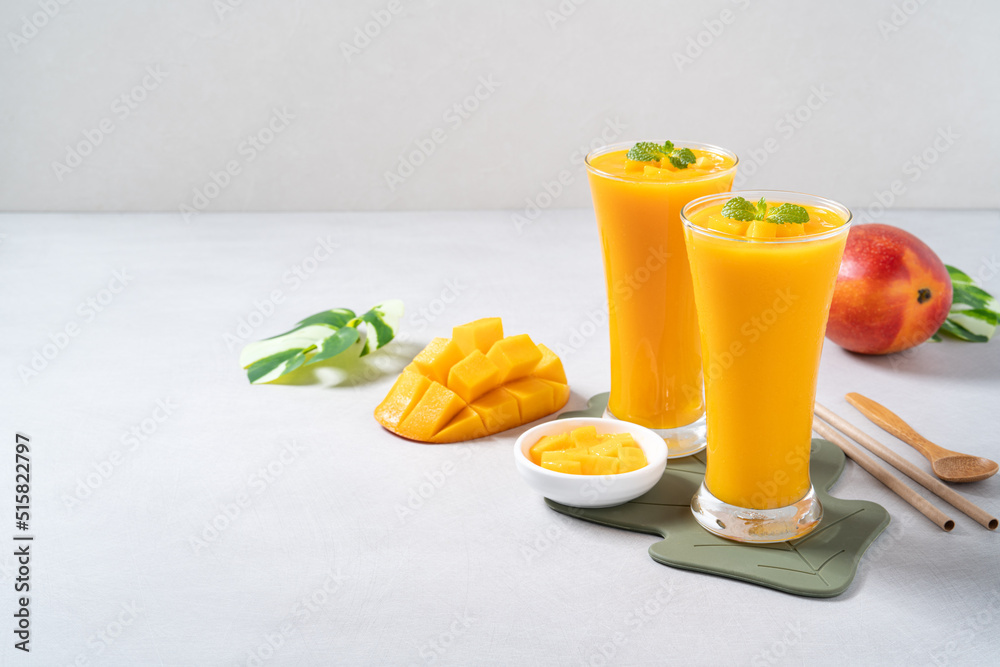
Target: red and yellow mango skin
892, 292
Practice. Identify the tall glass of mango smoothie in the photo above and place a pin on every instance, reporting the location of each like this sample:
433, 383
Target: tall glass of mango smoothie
638, 192
764, 264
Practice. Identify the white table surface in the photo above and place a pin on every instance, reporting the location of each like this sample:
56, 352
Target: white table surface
334, 557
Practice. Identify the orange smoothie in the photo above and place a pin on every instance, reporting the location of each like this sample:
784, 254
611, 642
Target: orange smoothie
655, 350
763, 291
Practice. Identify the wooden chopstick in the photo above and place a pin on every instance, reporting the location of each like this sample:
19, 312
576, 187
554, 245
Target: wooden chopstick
920, 503
913, 472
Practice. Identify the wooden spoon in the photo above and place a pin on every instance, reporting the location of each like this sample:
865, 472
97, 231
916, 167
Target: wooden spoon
946, 464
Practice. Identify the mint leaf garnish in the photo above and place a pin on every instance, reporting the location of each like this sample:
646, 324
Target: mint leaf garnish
788, 213
740, 209
648, 151
682, 158
761, 209
319, 337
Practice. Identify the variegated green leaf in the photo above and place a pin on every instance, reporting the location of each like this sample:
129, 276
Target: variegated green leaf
319, 337
975, 325
333, 345
381, 324
974, 312
335, 318
302, 338
957, 275
273, 367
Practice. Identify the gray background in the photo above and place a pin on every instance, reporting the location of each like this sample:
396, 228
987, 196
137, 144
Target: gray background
836, 98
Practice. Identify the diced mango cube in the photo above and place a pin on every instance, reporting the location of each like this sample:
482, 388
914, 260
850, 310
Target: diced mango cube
631, 458
719, 223
791, 229
624, 439
436, 360
604, 448
515, 356
549, 443
585, 436
605, 465
762, 229
549, 366
587, 461
560, 393
571, 467
498, 410
404, 395
478, 335
534, 398
434, 409
473, 376
466, 425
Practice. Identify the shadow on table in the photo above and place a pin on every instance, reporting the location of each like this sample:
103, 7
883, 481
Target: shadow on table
947, 359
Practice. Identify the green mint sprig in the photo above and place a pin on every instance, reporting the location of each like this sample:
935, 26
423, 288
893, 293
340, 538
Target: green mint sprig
321, 336
974, 312
740, 209
648, 151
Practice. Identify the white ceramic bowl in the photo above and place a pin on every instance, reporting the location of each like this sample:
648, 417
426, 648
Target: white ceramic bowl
592, 490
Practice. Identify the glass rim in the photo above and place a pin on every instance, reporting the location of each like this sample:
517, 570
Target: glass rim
784, 196
625, 145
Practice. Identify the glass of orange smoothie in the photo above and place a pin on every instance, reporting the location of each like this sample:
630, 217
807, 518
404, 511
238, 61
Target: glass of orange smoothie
655, 350
763, 286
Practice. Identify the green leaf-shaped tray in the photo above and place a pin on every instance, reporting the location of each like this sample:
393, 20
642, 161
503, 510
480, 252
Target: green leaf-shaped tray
821, 564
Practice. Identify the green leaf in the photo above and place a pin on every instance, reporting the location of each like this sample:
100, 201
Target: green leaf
972, 296
273, 367
740, 209
319, 337
682, 158
788, 213
957, 276
333, 345
979, 323
302, 338
974, 315
761, 210
649, 151
335, 318
960, 332
646, 151
383, 322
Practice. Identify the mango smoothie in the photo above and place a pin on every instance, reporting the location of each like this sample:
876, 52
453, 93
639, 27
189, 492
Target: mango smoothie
655, 350
763, 290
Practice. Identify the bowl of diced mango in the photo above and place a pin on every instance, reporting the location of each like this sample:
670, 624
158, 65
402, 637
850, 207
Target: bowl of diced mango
590, 462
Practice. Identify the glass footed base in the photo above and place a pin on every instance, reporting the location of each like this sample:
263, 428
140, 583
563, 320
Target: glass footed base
748, 525
681, 441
